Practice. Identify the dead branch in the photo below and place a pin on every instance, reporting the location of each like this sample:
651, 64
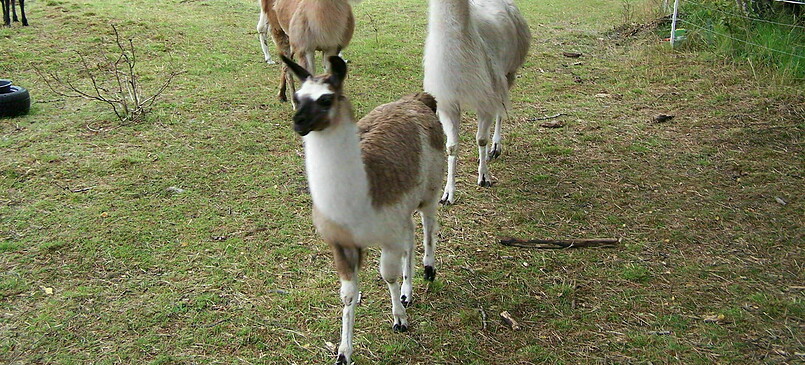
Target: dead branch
561, 244
483, 318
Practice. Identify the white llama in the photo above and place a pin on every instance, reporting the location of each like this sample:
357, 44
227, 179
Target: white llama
472, 52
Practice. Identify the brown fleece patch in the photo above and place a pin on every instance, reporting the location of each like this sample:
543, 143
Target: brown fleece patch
392, 148
347, 260
346, 256
331, 231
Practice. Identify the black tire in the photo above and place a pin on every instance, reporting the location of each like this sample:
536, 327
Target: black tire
15, 103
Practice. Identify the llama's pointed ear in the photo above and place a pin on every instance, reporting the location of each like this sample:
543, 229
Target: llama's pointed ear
338, 71
299, 71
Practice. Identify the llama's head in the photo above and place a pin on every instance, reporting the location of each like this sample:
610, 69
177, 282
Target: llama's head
318, 98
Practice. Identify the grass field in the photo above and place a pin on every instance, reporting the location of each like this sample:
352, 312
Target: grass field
103, 263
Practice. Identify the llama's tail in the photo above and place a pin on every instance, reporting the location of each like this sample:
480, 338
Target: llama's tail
426, 99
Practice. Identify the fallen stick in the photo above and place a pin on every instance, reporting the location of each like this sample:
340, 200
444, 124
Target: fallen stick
557, 115
483, 318
557, 244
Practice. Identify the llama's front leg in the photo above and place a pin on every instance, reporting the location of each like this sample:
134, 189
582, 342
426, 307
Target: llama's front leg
349, 297
390, 270
262, 31
482, 137
347, 262
430, 226
14, 11
450, 117
497, 140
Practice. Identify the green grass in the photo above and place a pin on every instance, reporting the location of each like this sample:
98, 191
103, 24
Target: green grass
230, 270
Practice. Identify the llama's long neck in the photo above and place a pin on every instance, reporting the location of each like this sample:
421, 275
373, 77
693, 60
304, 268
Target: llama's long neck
336, 175
448, 17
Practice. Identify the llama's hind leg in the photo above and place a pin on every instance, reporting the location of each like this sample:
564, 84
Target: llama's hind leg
482, 137
497, 140
407, 295
325, 62
14, 11
430, 227
308, 61
450, 117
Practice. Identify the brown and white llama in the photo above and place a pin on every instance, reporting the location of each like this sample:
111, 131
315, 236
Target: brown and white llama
366, 179
299, 28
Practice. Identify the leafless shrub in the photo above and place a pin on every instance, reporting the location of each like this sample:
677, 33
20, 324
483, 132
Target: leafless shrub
113, 81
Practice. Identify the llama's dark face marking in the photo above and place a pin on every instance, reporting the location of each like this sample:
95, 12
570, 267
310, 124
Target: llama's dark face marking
314, 104
317, 98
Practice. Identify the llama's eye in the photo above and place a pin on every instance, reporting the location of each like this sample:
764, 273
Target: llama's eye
325, 101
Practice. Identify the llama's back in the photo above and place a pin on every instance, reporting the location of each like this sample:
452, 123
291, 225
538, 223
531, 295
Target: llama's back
402, 143
316, 25
474, 67
505, 31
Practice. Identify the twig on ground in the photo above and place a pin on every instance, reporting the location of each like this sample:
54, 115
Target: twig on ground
557, 115
557, 244
82, 189
483, 318
67, 188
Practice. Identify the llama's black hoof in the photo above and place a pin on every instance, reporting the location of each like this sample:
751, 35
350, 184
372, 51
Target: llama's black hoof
430, 273
400, 327
405, 301
342, 360
494, 152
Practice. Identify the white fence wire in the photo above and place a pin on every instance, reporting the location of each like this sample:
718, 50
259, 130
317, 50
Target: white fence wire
709, 29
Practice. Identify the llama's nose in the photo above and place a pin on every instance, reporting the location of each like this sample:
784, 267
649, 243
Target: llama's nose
303, 119
303, 130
